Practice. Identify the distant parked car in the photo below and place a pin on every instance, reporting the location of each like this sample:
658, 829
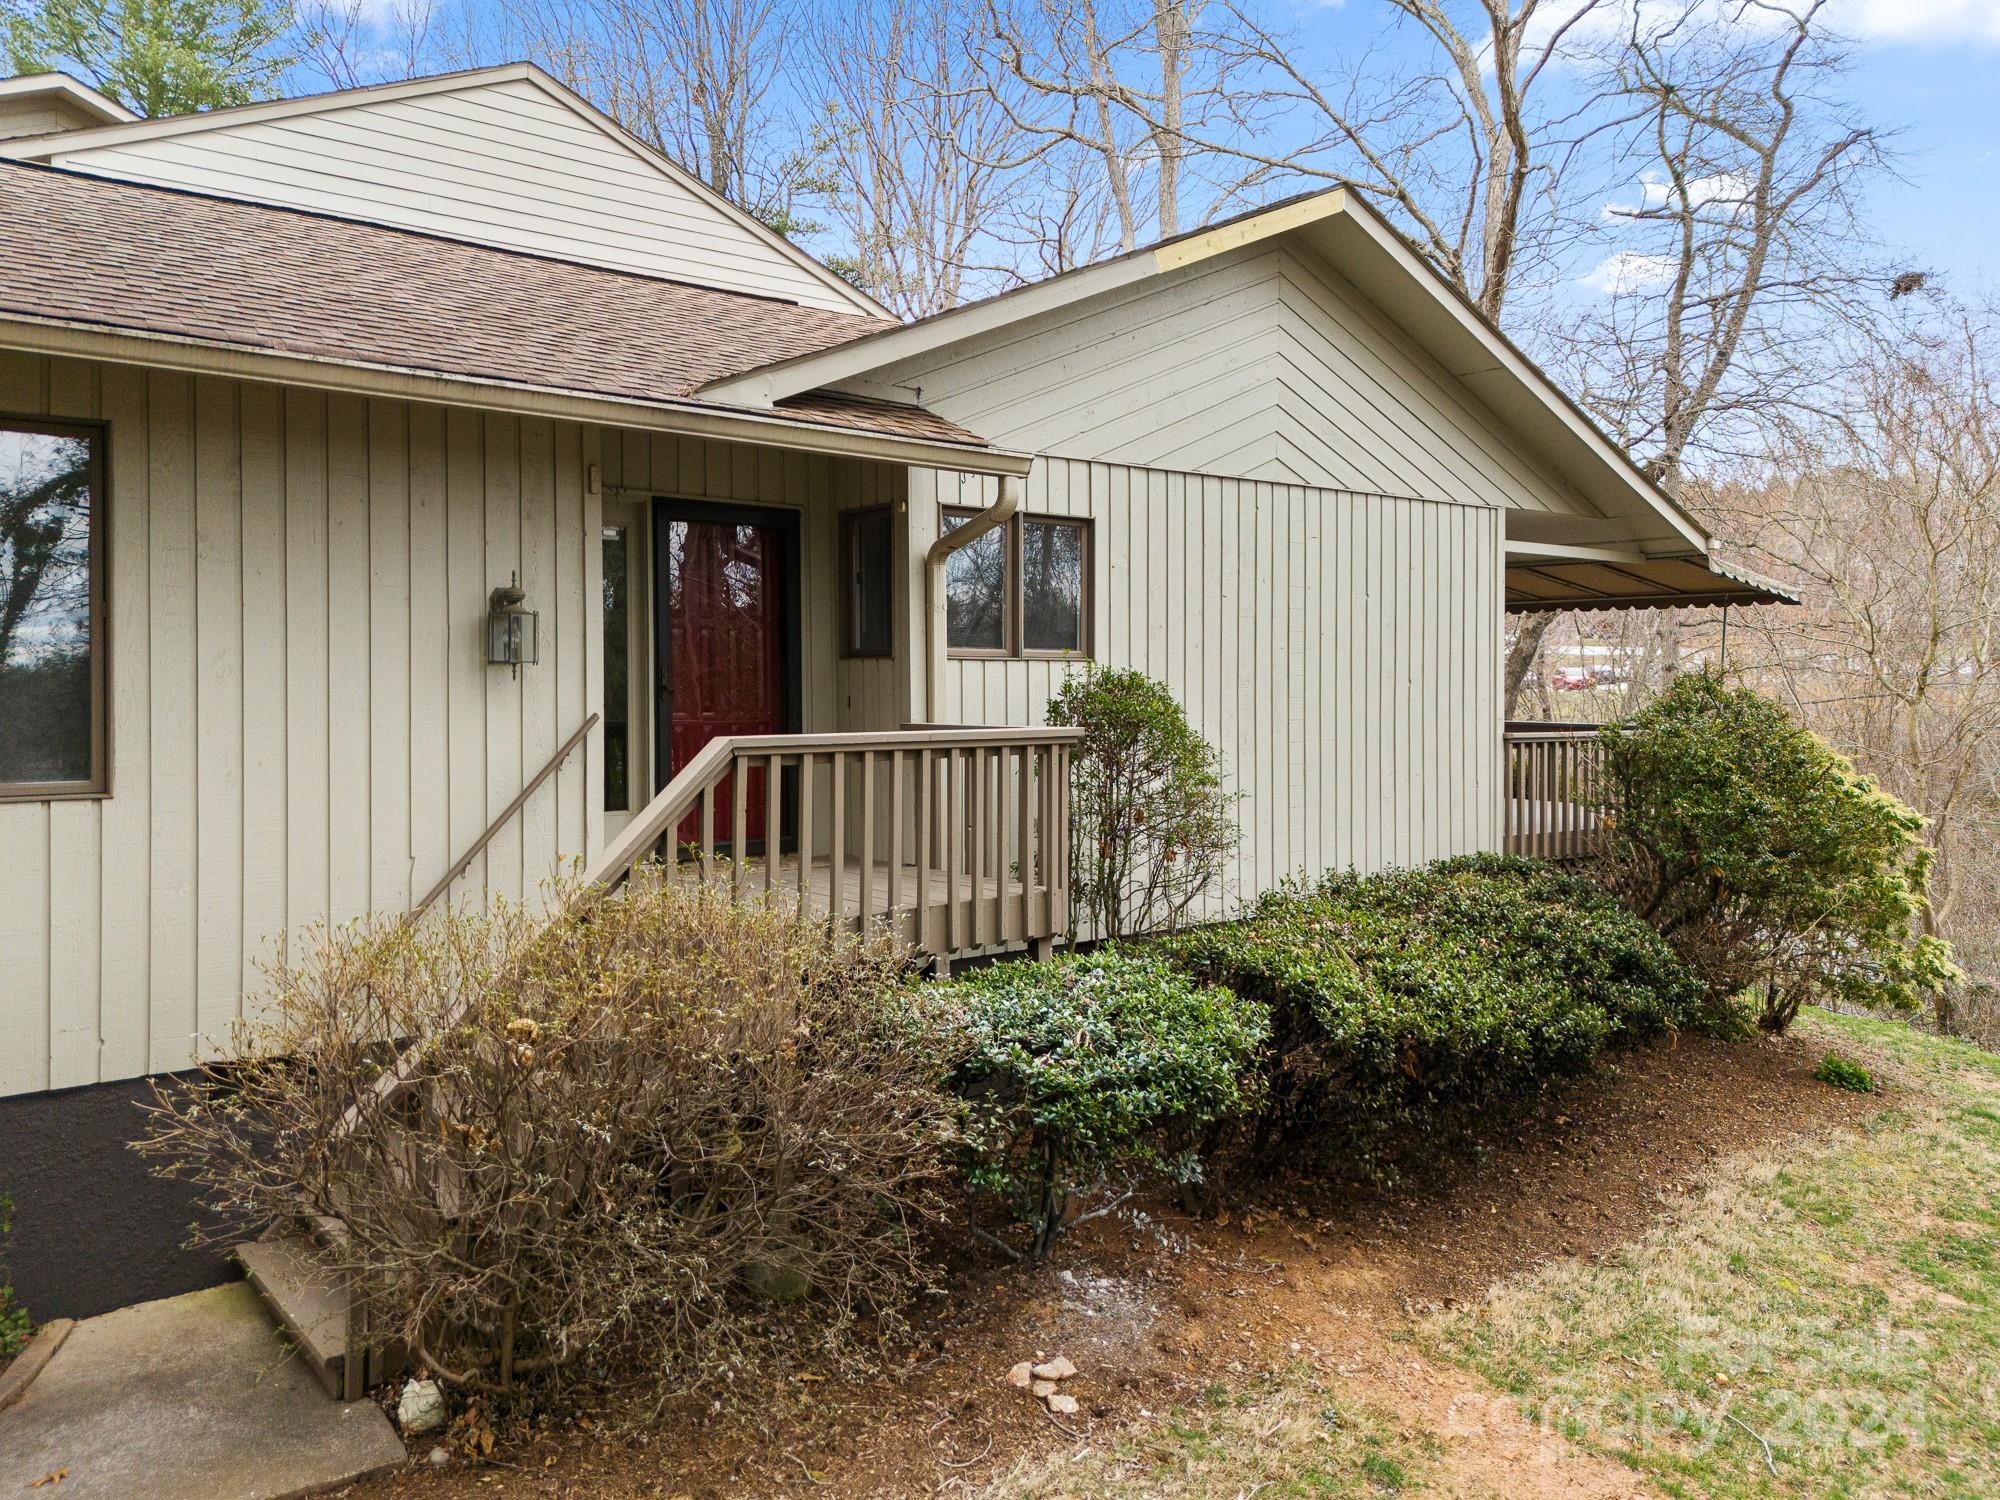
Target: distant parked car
1570, 679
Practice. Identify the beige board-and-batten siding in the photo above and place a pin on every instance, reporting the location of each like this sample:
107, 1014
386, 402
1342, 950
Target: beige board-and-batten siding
303, 724
1341, 650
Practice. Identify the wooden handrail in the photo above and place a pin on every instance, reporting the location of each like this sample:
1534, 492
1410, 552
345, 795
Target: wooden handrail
721, 757
493, 829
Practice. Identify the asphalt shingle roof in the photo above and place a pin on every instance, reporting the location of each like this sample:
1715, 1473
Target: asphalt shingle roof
144, 259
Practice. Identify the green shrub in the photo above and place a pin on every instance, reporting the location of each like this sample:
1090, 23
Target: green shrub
1150, 823
1842, 1074
1400, 1001
1764, 858
1091, 1065
14, 1321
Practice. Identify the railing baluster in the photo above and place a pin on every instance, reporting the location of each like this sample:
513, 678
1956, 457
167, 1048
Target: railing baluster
739, 819
1013, 912
803, 842
953, 835
895, 897
774, 822
926, 833
836, 869
707, 816
867, 883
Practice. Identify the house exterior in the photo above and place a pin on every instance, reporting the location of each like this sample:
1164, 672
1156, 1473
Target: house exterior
290, 394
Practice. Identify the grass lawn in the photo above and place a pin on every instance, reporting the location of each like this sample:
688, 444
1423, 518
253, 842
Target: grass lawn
1818, 1322
1839, 1307
1292, 1436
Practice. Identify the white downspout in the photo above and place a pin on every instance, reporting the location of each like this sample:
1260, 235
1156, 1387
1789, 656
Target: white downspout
999, 513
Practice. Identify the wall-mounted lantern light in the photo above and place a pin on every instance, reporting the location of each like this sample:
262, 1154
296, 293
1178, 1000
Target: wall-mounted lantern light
513, 632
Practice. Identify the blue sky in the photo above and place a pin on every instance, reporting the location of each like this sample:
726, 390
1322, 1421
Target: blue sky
1929, 69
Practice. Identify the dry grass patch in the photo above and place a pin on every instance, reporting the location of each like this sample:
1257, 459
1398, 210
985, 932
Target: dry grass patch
1818, 1323
1288, 1435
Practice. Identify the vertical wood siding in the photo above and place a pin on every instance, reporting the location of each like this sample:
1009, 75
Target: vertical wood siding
303, 725
1341, 650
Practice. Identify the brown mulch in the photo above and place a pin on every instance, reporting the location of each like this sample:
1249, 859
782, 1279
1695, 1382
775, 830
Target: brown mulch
1153, 1306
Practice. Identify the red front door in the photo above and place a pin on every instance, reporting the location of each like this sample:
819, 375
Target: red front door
723, 623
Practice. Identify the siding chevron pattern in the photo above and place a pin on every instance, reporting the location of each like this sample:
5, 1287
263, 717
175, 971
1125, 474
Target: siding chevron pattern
1260, 364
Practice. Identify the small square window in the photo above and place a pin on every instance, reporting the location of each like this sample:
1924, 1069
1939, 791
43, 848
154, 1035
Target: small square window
868, 552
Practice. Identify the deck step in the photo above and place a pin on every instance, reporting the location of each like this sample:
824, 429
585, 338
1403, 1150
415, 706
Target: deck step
308, 1300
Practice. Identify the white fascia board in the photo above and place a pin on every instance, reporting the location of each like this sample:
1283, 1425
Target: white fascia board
695, 418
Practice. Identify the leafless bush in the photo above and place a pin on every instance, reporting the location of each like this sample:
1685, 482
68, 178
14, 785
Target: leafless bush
651, 1126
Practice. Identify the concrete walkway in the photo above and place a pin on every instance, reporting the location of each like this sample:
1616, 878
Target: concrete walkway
188, 1398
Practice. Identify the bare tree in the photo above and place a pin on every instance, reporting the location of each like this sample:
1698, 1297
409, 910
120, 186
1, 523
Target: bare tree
352, 43
699, 79
1739, 249
1135, 86
1461, 148
1888, 515
917, 163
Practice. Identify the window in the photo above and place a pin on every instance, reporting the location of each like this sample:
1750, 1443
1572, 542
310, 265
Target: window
52, 740
867, 570
617, 668
1020, 589
1051, 586
975, 590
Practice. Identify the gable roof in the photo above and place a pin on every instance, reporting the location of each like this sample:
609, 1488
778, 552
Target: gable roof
76, 147
1349, 235
77, 249
63, 92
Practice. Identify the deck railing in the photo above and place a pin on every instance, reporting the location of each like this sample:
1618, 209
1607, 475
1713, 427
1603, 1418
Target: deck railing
955, 838
1553, 772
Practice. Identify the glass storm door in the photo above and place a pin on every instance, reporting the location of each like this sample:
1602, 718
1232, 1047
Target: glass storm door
724, 623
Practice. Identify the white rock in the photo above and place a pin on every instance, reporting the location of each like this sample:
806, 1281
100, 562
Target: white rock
1042, 1388
1021, 1374
1058, 1368
1061, 1405
440, 1457
421, 1408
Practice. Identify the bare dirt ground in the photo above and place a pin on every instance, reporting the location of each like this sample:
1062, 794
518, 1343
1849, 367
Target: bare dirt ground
1155, 1311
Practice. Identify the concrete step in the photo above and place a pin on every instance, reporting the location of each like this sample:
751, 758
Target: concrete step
308, 1300
189, 1398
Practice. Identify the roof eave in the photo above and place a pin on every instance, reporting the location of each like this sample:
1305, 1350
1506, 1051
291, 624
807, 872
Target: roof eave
691, 417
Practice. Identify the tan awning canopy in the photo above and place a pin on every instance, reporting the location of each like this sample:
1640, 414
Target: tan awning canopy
1538, 583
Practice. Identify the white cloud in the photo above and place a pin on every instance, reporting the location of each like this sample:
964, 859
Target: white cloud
1934, 21
1723, 187
1627, 271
